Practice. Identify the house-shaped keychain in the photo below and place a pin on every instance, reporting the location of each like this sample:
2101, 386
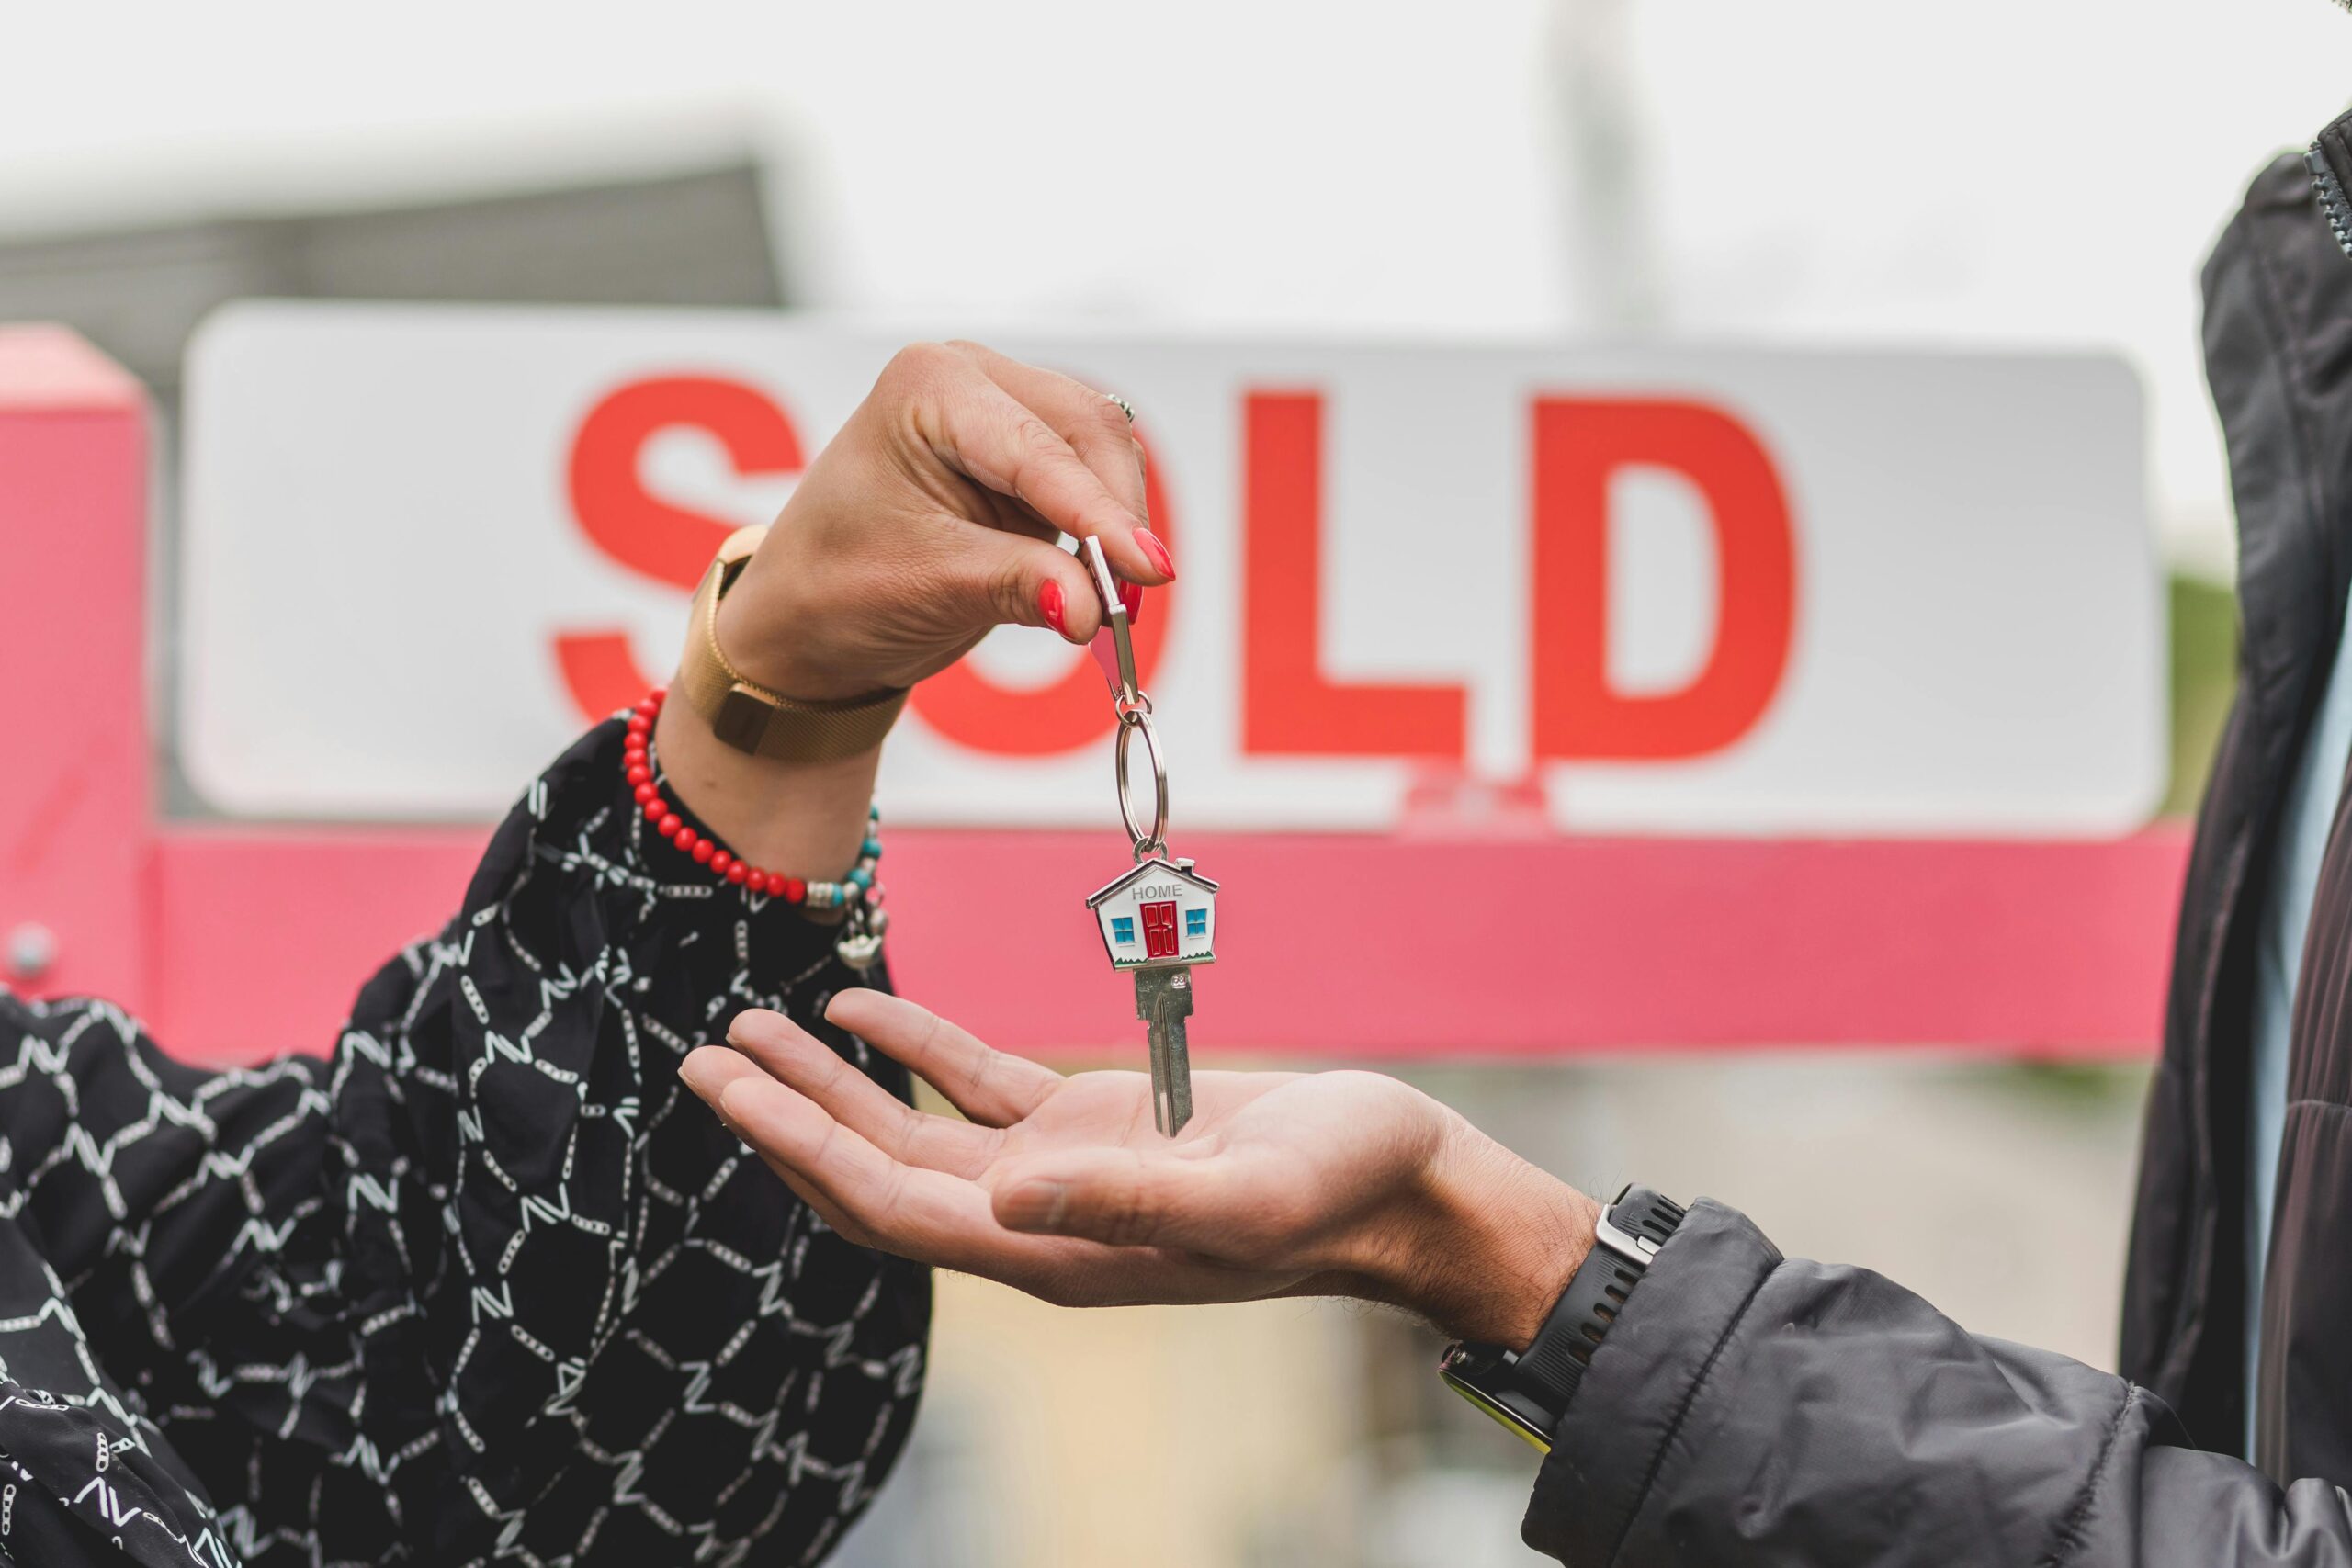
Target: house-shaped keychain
1162, 912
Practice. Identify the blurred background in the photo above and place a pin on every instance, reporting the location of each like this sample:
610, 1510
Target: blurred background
2008, 176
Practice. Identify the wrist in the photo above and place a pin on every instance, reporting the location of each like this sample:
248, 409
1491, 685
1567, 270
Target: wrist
808, 819
1502, 1241
779, 638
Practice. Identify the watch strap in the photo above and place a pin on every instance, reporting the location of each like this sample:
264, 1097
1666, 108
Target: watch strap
752, 718
1627, 1235
1529, 1392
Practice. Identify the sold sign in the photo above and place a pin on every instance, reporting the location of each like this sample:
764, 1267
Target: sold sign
1678, 684
1683, 593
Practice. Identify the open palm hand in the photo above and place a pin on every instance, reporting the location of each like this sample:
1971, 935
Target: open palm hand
1282, 1183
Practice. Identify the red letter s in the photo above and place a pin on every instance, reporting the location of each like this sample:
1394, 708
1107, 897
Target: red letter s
666, 543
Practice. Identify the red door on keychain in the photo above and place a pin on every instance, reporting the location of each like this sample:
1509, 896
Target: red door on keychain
1159, 929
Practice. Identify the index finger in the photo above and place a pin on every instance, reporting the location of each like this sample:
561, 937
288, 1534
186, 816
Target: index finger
984, 432
1096, 426
993, 1087
805, 1063
927, 1216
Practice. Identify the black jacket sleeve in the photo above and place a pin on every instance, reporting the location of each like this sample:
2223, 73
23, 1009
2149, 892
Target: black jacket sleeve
485, 1283
1751, 1409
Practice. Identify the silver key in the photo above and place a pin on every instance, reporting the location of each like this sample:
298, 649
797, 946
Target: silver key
1164, 1000
1160, 920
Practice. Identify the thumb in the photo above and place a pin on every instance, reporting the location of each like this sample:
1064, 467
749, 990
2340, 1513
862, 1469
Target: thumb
1023, 582
1121, 1197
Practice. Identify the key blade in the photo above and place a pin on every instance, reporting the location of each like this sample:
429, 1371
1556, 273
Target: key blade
1164, 1000
1171, 1075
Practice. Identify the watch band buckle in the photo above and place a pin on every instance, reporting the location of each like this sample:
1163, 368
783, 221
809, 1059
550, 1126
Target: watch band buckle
742, 717
1632, 1248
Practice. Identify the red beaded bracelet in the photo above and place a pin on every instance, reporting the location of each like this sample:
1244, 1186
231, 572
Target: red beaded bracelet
638, 768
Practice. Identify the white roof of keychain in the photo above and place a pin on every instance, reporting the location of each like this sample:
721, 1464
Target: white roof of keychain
1176, 868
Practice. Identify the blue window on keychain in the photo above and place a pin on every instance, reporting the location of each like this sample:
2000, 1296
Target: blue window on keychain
1123, 930
1196, 922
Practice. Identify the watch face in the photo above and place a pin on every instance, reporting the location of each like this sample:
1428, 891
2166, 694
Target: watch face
1461, 1365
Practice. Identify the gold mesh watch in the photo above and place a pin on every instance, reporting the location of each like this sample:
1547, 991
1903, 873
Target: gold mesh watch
749, 717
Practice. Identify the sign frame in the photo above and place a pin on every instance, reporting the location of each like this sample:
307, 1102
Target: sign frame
241, 941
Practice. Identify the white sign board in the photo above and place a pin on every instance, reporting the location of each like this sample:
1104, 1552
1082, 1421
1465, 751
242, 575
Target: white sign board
1672, 590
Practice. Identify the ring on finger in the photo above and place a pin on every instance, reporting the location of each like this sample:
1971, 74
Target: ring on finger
1125, 407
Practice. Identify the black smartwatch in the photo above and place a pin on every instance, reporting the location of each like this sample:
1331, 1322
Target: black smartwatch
1528, 1390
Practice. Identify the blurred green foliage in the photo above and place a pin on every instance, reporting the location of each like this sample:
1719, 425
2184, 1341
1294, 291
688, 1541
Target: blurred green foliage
2204, 673
2204, 677
2071, 1087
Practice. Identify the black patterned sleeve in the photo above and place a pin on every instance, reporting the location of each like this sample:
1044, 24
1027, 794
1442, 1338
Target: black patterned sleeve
489, 1285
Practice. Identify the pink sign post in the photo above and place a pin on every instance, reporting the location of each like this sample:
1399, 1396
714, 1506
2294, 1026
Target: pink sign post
239, 943
74, 855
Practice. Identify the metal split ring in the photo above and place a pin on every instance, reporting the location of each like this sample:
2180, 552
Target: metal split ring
1155, 841
1125, 407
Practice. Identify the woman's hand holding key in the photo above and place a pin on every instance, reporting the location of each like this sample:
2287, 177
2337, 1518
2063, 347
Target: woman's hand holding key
1339, 1183
931, 518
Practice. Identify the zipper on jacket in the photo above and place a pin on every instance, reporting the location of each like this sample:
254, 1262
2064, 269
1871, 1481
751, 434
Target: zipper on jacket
2333, 202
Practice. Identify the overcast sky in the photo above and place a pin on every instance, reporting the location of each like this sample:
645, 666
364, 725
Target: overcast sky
2013, 172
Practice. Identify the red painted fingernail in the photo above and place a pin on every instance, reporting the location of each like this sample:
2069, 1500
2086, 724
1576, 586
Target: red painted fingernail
1131, 595
1151, 547
1049, 604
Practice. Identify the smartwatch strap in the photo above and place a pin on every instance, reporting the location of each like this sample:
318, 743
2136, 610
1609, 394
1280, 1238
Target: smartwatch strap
1529, 1392
1626, 1238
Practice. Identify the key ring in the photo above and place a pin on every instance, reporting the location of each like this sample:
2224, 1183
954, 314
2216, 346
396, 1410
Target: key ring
1133, 707
1155, 843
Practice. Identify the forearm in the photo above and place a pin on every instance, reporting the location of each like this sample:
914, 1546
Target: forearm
1490, 1244
805, 819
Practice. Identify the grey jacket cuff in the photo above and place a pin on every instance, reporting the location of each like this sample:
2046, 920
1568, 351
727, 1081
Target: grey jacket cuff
1618, 1442
1769, 1413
